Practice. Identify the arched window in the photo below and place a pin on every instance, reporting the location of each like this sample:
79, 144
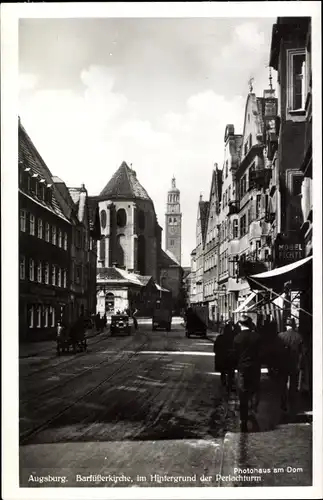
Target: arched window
103, 217
141, 255
109, 302
121, 239
121, 217
141, 219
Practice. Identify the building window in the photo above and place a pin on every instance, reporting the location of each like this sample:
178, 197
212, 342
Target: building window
170, 220
243, 186
296, 79
54, 235
59, 281
229, 194
22, 267
47, 231
23, 220
46, 315
39, 272
54, 275
258, 205
122, 217
171, 243
297, 181
52, 315
32, 224
226, 168
243, 225
40, 229
103, 216
46, 273
65, 241
38, 317
250, 141
60, 238
64, 278
31, 316
246, 148
31, 269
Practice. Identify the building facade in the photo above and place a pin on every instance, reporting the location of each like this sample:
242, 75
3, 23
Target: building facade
44, 247
202, 212
173, 222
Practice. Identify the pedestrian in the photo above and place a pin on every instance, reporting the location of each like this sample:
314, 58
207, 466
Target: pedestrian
135, 321
291, 352
60, 329
223, 359
246, 345
105, 320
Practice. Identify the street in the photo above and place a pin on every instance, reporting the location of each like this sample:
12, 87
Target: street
145, 406
148, 410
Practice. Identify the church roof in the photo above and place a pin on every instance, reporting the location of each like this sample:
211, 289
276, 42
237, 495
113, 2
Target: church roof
168, 259
124, 185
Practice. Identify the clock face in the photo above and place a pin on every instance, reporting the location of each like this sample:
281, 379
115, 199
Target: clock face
172, 230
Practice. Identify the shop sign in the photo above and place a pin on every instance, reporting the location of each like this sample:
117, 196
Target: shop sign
288, 250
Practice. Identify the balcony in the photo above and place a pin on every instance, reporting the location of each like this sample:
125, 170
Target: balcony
259, 178
233, 207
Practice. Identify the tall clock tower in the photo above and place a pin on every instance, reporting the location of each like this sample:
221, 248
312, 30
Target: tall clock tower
173, 222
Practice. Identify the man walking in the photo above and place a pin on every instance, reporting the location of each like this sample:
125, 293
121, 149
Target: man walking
223, 360
246, 346
291, 353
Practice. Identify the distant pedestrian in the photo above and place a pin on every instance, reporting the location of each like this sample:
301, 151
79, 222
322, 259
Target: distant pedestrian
105, 320
60, 329
134, 317
224, 360
246, 346
291, 353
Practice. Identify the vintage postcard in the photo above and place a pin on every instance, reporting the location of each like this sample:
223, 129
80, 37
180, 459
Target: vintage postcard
161, 235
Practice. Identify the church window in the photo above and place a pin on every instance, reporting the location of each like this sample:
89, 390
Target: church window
170, 220
103, 219
141, 219
121, 217
175, 220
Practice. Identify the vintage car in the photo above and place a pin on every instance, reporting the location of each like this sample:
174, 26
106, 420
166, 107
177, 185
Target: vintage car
120, 323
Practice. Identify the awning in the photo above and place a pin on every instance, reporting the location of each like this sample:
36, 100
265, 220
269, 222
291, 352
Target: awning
299, 273
243, 306
233, 286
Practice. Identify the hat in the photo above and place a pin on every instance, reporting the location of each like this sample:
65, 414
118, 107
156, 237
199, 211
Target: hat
245, 320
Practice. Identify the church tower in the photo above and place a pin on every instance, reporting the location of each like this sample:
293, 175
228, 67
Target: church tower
173, 222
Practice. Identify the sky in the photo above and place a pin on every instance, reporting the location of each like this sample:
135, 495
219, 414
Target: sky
154, 92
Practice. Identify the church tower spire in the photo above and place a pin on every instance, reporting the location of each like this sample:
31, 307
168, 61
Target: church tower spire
173, 222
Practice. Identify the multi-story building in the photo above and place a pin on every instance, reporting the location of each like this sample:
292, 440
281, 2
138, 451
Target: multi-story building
200, 242
83, 213
192, 279
211, 247
44, 247
173, 222
291, 188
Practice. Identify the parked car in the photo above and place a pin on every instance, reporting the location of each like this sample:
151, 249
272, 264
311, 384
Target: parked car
196, 321
120, 323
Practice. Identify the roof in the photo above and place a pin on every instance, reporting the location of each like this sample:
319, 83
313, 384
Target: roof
203, 206
30, 157
124, 185
116, 275
143, 279
283, 27
168, 259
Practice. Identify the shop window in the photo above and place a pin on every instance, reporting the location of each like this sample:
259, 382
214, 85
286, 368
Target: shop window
122, 217
40, 228
32, 224
22, 267
23, 220
31, 269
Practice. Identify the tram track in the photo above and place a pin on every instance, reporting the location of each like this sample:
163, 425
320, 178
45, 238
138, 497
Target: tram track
26, 436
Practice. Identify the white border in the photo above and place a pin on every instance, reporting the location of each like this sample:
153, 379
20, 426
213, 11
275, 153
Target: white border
10, 14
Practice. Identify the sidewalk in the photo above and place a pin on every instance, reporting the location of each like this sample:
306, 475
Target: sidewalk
279, 444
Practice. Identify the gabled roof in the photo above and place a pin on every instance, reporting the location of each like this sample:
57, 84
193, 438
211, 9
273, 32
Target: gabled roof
117, 276
30, 158
124, 185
